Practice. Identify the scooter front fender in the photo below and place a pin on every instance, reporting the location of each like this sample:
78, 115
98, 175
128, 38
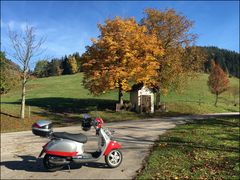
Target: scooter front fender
112, 145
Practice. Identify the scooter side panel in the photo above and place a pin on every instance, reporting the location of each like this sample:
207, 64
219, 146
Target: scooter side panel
80, 149
62, 147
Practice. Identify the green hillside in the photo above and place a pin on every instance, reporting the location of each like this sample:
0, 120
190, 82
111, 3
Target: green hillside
64, 100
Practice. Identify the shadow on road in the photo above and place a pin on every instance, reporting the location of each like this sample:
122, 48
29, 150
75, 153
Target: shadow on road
33, 164
28, 163
96, 165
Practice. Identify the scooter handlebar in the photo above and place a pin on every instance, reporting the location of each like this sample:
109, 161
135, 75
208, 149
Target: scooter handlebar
94, 123
109, 132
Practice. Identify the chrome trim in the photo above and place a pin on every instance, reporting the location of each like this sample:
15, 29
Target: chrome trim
41, 129
43, 122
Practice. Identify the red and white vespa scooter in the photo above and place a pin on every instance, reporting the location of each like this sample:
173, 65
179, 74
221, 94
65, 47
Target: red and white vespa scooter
64, 148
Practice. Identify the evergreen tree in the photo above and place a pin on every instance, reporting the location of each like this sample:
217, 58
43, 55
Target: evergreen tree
41, 69
54, 68
227, 60
65, 66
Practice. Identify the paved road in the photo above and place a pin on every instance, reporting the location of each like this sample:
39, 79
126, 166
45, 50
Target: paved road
19, 150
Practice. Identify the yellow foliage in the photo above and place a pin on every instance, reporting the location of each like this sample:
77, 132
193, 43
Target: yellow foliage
124, 54
179, 60
73, 67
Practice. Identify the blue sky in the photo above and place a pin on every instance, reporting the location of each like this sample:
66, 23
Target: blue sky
69, 25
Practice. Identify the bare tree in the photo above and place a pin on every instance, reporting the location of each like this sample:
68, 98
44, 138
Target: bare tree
25, 47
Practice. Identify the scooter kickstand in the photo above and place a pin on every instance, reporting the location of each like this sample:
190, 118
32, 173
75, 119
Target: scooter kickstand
68, 168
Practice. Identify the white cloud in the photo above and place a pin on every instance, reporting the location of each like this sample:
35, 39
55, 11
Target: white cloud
16, 25
60, 39
11, 24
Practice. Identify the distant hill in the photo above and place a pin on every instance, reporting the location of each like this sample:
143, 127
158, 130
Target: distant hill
10, 74
8, 63
13, 65
228, 60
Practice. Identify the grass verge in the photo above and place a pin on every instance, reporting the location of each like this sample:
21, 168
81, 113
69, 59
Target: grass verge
64, 100
201, 149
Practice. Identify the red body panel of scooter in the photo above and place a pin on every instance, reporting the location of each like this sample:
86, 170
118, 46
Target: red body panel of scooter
112, 145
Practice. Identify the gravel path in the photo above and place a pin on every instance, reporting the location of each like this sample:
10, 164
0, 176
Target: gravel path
20, 149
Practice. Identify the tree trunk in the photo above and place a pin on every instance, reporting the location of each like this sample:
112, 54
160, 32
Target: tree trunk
158, 98
23, 95
120, 96
216, 99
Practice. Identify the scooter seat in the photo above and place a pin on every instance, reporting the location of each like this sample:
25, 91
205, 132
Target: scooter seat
75, 137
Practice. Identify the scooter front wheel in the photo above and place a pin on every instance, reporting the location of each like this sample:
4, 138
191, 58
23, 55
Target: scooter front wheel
114, 158
49, 166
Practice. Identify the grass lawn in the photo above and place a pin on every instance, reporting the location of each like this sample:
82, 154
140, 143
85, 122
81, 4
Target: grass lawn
201, 149
64, 100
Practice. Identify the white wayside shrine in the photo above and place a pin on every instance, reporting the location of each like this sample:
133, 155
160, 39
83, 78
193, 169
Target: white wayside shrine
142, 99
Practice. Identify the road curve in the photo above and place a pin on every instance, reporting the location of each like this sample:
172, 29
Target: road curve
20, 149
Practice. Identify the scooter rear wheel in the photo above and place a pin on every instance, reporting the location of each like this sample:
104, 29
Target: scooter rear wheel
49, 166
114, 158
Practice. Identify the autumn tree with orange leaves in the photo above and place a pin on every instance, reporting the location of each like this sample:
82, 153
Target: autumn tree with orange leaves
124, 54
217, 81
181, 58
